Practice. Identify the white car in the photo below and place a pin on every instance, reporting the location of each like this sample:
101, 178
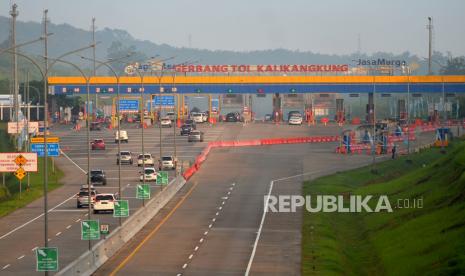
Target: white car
126, 157
295, 120
123, 136
167, 162
171, 115
104, 202
197, 117
204, 116
145, 158
150, 175
165, 122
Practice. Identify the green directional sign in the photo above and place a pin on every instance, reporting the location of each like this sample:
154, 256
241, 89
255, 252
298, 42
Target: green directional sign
162, 178
90, 230
121, 209
143, 191
47, 259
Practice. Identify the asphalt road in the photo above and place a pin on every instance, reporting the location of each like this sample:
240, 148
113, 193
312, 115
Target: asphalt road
214, 230
245, 173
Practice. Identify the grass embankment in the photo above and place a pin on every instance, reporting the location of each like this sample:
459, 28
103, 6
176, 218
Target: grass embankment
9, 194
414, 241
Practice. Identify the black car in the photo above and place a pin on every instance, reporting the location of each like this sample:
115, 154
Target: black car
98, 177
233, 117
191, 122
95, 126
186, 129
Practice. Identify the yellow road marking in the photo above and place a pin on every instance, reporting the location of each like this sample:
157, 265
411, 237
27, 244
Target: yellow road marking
153, 232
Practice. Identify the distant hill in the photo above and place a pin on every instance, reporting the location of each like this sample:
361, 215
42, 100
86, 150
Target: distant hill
67, 37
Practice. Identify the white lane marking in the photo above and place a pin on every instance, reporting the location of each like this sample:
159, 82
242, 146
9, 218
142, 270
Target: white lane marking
57, 234
231, 188
224, 197
205, 233
201, 240
210, 226
70, 160
36, 218
78, 220
34, 249
222, 203
179, 274
196, 248
69, 226
219, 208
249, 265
184, 266
216, 213
20, 257
229, 193
190, 256
5, 267
213, 219
49, 239
233, 184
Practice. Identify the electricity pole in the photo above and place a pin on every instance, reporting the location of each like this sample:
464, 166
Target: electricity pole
14, 13
430, 39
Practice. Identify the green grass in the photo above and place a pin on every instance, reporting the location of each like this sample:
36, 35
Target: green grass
414, 241
9, 194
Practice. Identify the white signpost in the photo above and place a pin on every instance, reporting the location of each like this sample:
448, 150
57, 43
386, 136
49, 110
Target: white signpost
8, 163
13, 127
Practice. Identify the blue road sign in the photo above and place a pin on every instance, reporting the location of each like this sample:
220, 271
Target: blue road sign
53, 149
129, 105
166, 101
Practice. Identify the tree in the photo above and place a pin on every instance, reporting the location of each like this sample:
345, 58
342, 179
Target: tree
117, 50
455, 66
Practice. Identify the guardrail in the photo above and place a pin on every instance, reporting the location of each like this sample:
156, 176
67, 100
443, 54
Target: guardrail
90, 261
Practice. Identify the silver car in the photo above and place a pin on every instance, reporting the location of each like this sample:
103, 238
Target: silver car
195, 136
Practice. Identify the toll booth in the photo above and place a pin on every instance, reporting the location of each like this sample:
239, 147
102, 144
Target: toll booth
292, 102
443, 134
401, 111
370, 109
340, 111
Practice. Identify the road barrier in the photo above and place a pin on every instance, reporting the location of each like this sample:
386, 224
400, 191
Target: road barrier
90, 261
255, 142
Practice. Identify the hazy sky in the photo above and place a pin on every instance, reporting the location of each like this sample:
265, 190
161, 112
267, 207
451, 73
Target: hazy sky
324, 26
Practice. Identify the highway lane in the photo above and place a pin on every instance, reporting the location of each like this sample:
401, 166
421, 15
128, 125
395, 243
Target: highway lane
214, 230
22, 231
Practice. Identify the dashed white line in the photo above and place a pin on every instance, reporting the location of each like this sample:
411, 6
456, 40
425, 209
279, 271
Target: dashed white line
222, 203
69, 226
217, 213
219, 208
78, 220
57, 234
190, 256
5, 267
213, 219
20, 257
205, 233
210, 226
229, 193
196, 248
184, 266
49, 239
201, 240
34, 249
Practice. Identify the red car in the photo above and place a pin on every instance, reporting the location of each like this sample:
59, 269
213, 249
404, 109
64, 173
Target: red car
98, 144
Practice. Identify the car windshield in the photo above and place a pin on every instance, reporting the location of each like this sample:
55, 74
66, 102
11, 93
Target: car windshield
96, 172
167, 158
85, 193
98, 140
195, 133
104, 197
125, 153
149, 171
147, 156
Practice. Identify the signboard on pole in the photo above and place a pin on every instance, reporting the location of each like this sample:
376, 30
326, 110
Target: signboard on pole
13, 127
165, 101
143, 191
162, 178
41, 140
9, 161
90, 230
104, 229
53, 149
128, 105
47, 259
121, 208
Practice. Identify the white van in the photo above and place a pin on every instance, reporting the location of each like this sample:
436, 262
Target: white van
123, 136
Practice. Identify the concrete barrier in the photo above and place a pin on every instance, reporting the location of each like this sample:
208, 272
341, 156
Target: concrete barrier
90, 261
